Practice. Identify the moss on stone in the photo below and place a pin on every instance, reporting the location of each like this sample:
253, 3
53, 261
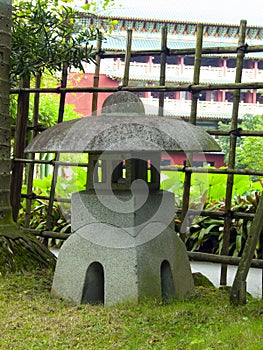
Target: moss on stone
202, 281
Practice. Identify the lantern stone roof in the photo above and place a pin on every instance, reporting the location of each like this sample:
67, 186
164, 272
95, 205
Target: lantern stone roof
123, 133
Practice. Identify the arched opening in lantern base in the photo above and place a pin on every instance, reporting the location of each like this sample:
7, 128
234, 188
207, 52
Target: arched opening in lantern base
93, 290
167, 282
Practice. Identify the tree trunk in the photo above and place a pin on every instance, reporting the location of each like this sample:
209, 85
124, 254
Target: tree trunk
18, 251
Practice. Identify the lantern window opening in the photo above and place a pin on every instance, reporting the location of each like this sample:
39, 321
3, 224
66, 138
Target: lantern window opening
149, 171
118, 172
100, 173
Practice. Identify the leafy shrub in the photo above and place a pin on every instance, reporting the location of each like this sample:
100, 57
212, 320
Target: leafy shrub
206, 234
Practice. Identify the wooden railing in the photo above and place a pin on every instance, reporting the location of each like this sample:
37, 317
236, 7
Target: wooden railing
184, 72
214, 109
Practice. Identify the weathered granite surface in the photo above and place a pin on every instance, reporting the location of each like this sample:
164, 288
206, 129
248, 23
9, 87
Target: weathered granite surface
122, 102
123, 133
131, 260
122, 209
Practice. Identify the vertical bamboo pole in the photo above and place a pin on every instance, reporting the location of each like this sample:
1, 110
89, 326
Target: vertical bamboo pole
96, 77
125, 80
32, 155
162, 69
238, 291
195, 95
232, 148
64, 79
57, 155
19, 146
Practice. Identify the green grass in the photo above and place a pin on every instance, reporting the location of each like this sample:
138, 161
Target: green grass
30, 318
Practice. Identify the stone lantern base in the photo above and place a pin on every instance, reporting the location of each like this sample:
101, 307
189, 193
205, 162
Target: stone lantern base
122, 255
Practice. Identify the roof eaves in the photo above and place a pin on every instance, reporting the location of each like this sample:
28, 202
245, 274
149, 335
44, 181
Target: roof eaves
104, 17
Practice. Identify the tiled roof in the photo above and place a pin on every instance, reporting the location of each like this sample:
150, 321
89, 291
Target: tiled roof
118, 42
174, 27
181, 35
113, 42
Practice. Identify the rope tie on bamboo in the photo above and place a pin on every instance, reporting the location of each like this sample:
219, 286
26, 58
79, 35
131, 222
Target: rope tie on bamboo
100, 53
30, 196
229, 213
38, 128
167, 51
242, 48
236, 132
187, 169
52, 162
190, 87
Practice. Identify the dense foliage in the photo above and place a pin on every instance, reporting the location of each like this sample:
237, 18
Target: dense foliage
47, 110
249, 149
45, 36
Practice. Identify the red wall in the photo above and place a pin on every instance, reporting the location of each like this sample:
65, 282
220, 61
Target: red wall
83, 100
178, 158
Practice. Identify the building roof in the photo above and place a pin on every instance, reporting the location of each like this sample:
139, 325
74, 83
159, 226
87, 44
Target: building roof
181, 35
117, 41
223, 11
174, 27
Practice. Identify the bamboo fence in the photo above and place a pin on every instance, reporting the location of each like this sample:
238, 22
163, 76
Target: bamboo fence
195, 87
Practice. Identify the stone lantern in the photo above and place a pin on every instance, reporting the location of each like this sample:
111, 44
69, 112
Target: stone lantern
123, 246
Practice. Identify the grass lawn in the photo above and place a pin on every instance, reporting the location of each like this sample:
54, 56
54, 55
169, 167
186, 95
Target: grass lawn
30, 318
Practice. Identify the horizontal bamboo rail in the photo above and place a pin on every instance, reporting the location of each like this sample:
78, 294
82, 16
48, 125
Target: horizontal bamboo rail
194, 256
222, 259
239, 132
35, 196
47, 234
49, 162
218, 214
158, 88
175, 52
184, 169
213, 170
